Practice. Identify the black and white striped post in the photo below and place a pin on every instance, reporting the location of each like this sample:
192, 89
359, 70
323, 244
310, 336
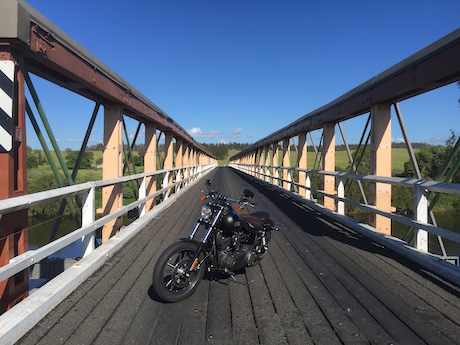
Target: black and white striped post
7, 69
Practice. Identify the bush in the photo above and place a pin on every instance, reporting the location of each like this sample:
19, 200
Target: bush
32, 161
42, 183
86, 161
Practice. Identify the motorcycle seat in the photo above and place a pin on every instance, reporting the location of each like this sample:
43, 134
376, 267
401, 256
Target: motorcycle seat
256, 220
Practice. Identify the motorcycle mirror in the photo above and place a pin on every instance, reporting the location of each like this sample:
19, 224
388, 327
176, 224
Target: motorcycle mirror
248, 193
208, 183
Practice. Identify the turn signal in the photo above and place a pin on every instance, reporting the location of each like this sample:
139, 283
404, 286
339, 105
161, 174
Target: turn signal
203, 197
240, 208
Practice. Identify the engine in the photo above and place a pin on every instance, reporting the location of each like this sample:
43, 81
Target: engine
234, 254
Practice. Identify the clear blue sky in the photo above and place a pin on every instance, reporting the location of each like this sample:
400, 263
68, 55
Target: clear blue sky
238, 70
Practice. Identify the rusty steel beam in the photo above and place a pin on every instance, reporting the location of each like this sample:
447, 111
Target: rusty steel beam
432, 67
53, 55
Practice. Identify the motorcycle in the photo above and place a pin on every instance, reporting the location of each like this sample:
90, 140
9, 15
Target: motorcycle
230, 242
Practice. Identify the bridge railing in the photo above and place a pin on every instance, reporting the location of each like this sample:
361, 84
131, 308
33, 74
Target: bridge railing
421, 188
87, 232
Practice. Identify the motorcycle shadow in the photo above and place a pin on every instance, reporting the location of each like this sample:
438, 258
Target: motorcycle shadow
213, 276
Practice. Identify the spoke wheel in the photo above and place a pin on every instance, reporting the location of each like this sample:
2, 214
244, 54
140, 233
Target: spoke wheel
170, 279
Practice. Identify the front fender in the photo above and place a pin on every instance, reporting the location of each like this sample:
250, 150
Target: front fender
188, 240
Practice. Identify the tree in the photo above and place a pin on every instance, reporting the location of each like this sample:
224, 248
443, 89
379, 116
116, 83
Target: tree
220, 151
86, 161
44, 182
32, 161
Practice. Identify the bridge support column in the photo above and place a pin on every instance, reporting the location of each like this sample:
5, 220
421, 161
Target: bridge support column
302, 162
13, 177
150, 162
380, 164
286, 162
112, 196
329, 164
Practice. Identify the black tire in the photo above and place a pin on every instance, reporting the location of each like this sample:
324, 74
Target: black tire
169, 282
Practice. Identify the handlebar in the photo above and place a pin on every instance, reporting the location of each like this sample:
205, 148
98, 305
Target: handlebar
213, 194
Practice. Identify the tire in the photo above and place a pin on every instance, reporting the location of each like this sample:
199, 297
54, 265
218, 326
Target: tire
169, 282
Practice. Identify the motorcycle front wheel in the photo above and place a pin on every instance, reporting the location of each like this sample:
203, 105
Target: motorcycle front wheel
170, 281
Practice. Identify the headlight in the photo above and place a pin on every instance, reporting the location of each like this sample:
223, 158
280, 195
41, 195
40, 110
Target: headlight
206, 212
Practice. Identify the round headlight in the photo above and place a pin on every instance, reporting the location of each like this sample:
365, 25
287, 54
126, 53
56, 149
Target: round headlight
206, 212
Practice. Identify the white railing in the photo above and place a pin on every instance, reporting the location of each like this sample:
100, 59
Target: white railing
87, 232
421, 188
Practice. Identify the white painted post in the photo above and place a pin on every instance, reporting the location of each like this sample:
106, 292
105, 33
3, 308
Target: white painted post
421, 215
88, 216
307, 185
185, 176
340, 194
178, 178
289, 178
142, 194
165, 184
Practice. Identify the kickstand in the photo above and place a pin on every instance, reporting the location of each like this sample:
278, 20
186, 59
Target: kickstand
232, 276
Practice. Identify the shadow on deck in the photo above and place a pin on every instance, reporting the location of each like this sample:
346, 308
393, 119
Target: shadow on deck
321, 283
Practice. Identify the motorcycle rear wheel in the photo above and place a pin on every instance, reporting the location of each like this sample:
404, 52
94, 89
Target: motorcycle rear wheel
170, 281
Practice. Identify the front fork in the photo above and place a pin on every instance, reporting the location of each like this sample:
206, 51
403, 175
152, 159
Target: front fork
195, 262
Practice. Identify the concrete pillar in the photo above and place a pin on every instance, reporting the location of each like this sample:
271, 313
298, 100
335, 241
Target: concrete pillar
329, 164
380, 164
150, 162
13, 178
302, 161
112, 196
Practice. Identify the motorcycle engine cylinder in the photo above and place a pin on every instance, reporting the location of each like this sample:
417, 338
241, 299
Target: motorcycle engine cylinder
239, 258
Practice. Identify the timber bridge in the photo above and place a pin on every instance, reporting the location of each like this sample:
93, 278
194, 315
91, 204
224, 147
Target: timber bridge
328, 278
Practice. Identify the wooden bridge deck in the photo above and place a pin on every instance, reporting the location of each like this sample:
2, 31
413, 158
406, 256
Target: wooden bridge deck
320, 284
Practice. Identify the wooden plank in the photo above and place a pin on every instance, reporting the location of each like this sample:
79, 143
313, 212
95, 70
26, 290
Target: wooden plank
244, 329
290, 317
318, 326
267, 320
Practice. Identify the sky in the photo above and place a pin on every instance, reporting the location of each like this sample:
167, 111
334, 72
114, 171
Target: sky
238, 70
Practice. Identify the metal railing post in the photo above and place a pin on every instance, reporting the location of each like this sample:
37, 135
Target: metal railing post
166, 184
340, 194
88, 215
420, 215
142, 194
307, 186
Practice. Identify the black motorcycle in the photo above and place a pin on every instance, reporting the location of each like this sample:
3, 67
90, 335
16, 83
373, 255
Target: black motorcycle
229, 243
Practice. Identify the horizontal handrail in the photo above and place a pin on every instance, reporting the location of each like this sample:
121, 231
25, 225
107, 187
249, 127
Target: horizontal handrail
29, 258
25, 201
434, 186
